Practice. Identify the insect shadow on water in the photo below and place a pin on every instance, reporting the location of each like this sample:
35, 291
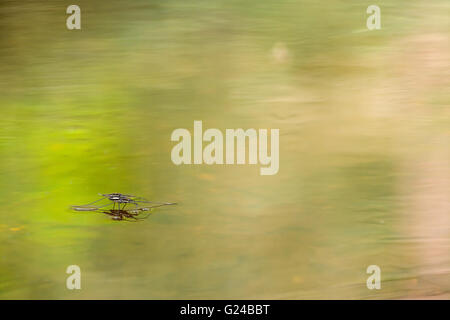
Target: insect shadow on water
122, 207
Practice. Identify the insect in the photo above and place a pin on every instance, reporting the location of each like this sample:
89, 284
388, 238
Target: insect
122, 206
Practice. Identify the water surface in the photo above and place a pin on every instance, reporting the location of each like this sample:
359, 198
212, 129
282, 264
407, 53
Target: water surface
364, 156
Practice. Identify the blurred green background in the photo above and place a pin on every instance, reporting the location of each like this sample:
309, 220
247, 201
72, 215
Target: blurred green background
364, 148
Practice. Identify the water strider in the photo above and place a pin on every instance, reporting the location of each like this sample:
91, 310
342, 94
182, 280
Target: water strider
121, 201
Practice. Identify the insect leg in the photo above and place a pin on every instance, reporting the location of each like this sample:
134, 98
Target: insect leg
88, 204
86, 208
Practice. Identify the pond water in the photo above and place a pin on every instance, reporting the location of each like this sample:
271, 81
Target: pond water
364, 149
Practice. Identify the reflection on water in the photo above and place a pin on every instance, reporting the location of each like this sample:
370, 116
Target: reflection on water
364, 156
